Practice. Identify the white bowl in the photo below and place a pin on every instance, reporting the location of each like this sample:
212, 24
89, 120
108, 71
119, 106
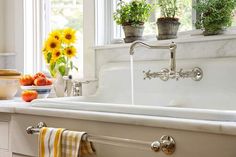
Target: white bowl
8, 88
43, 91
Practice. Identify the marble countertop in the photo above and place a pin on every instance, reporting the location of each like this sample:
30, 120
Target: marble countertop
218, 127
9, 106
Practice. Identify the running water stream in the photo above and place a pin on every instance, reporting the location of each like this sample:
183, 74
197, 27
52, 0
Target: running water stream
132, 78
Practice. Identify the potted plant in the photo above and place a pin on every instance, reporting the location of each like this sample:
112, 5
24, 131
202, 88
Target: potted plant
168, 24
214, 15
132, 16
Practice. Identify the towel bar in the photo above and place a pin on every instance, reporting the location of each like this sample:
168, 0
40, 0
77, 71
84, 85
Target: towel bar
166, 144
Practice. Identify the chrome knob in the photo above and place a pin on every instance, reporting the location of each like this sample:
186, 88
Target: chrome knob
155, 146
165, 74
167, 144
41, 125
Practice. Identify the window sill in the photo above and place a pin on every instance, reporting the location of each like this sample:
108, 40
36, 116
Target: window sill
194, 36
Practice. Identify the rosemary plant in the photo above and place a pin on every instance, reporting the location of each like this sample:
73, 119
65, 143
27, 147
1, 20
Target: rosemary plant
214, 15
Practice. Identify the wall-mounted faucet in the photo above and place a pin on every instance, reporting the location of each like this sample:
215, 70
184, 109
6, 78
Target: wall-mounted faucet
168, 73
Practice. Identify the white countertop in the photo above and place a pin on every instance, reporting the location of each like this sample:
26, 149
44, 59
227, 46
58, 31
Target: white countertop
218, 127
9, 106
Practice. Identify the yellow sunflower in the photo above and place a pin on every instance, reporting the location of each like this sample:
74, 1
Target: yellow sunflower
56, 54
52, 44
56, 34
69, 36
70, 51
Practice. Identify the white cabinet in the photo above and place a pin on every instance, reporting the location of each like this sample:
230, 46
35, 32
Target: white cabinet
4, 153
4, 139
188, 143
4, 135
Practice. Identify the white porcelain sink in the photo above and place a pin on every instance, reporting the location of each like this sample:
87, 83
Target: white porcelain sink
212, 98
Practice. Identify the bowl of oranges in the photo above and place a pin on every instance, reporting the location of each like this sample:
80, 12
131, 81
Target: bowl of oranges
35, 86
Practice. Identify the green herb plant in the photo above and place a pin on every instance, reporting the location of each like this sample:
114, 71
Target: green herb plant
168, 8
214, 15
132, 13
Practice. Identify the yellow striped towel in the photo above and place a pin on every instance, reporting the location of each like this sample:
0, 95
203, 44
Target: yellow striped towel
73, 146
50, 142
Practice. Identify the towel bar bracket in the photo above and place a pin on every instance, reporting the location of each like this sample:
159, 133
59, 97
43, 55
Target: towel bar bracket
166, 143
32, 130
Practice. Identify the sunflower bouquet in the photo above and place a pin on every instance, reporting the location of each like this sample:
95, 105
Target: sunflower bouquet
59, 50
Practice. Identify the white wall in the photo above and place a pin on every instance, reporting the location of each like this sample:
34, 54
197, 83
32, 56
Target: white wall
10, 26
89, 39
11, 33
2, 25
18, 28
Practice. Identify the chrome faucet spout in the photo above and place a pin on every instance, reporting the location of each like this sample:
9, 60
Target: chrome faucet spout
172, 47
140, 43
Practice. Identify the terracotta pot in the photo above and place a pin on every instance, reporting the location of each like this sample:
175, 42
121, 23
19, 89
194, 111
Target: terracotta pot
133, 33
167, 28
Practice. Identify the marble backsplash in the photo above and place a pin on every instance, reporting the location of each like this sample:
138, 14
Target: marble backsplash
210, 47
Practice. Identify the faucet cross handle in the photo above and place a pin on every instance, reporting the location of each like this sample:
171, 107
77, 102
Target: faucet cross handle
147, 75
195, 74
163, 75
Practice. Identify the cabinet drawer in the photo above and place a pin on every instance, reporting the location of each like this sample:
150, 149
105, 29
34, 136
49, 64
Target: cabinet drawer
4, 135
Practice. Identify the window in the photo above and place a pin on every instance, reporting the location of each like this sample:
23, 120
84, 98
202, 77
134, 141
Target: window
43, 16
185, 12
67, 13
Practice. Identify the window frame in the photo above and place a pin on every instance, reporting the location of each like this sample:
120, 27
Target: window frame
33, 35
104, 21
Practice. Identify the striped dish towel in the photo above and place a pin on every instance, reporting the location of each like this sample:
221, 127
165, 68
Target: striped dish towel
73, 146
50, 142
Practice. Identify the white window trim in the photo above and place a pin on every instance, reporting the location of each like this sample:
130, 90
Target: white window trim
89, 30
33, 35
104, 21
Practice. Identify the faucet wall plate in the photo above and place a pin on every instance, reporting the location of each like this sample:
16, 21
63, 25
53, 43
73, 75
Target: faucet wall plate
195, 74
198, 74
